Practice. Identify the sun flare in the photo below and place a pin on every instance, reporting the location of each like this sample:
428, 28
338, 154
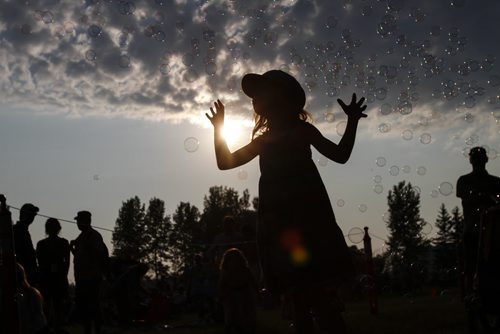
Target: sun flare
232, 132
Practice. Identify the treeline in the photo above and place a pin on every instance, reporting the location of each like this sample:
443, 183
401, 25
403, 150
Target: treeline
169, 243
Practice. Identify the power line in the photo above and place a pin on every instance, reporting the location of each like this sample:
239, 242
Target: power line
65, 220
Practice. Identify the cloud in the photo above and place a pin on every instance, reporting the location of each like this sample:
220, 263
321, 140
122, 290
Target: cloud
167, 60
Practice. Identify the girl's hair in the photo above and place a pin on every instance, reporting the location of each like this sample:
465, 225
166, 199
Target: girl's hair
262, 123
233, 259
52, 226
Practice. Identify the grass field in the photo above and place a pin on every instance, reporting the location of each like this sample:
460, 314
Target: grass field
443, 314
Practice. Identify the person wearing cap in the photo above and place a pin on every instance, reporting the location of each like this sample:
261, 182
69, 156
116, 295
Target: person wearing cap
91, 261
303, 252
477, 191
25, 252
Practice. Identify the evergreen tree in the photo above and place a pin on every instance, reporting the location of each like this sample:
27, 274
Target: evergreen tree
444, 227
128, 237
407, 244
186, 237
157, 229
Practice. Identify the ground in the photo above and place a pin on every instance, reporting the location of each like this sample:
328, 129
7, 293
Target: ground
424, 314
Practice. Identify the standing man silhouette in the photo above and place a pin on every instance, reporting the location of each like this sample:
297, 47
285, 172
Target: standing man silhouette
91, 261
477, 191
25, 252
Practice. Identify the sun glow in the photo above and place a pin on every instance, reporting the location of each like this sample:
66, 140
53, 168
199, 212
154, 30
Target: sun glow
233, 132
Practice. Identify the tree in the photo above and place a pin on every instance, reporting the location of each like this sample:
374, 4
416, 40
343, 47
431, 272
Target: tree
128, 237
186, 237
407, 244
219, 202
446, 244
157, 229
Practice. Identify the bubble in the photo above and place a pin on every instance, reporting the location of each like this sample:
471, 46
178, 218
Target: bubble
362, 207
405, 107
394, 170
380, 161
377, 178
470, 102
434, 193
355, 235
160, 36
421, 170
494, 81
329, 117
492, 154
385, 109
340, 203
367, 10
378, 188
191, 144
445, 188
406, 169
94, 30
124, 61
242, 174
425, 138
341, 127
468, 117
381, 93
407, 134
457, 3
417, 189
47, 17
91, 55
331, 22
96, 177
190, 75
211, 68
164, 69
426, 228
322, 161
384, 127
188, 59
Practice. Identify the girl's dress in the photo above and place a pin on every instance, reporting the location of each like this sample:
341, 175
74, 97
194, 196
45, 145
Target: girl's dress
299, 241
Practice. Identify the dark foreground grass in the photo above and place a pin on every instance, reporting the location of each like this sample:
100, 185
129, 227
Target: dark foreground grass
397, 315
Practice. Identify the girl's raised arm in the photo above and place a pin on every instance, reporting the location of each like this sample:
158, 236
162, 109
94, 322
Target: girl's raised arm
342, 151
226, 159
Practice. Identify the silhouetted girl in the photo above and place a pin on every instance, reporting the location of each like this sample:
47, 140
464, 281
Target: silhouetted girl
53, 262
237, 292
302, 250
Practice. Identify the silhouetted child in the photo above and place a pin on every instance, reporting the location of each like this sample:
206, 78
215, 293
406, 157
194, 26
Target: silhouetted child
237, 292
53, 262
30, 306
302, 249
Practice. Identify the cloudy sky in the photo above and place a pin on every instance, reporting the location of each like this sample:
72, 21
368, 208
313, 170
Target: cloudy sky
104, 100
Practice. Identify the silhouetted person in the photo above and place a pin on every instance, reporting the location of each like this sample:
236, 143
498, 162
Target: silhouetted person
30, 306
25, 252
53, 262
477, 191
302, 249
237, 292
91, 261
230, 237
128, 292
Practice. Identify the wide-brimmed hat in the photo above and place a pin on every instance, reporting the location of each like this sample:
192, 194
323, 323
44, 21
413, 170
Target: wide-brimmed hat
276, 83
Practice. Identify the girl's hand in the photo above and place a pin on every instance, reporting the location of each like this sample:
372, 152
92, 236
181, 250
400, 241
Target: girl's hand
354, 110
217, 118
